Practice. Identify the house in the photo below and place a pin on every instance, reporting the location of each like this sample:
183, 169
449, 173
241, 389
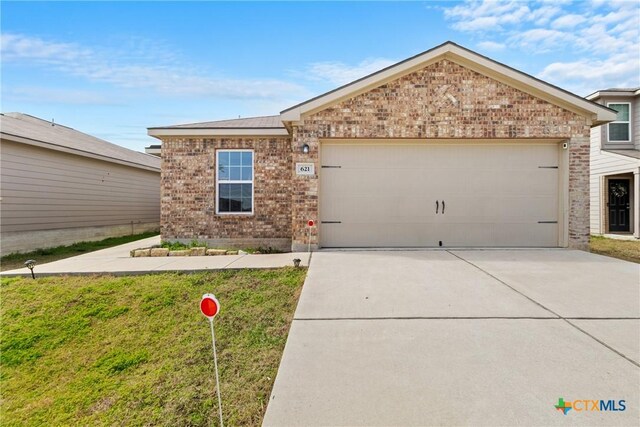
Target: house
59, 186
445, 149
154, 149
615, 165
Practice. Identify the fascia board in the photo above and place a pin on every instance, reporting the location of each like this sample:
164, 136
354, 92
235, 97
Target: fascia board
158, 132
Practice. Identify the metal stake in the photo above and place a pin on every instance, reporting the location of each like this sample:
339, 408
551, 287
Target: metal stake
215, 363
309, 241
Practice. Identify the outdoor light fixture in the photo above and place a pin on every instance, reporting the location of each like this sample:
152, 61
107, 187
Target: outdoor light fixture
305, 149
296, 262
30, 263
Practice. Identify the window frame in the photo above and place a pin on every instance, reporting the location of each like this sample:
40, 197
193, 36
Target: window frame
235, 181
627, 122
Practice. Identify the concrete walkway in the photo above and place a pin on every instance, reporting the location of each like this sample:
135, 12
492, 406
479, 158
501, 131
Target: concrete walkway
117, 261
461, 337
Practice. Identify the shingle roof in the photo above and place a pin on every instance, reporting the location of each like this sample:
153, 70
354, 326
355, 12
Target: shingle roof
59, 136
262, 122
629, 153
625, 91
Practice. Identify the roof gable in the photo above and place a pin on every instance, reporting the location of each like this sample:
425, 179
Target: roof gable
598, 114
443, 100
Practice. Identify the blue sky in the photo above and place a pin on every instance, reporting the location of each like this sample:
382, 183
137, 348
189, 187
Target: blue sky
112, 69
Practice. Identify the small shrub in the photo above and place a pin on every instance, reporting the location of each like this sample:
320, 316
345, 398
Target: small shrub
262, 250
197, 244
174, 246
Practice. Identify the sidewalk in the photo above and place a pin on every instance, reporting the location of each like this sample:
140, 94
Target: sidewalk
117, 261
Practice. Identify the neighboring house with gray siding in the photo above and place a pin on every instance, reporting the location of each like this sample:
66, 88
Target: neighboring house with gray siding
615, 165
59, 186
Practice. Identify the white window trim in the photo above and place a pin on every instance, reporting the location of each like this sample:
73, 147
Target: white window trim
619, 121
218, 182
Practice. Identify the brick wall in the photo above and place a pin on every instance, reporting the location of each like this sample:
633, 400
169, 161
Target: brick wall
444, 100
188, 194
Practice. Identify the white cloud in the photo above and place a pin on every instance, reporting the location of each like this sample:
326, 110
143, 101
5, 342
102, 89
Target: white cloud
339, 73
16, 47
543, 14
477, 23
491, 46
599, 41
156, 72
60, 96
568, 21
486, 14
587, 76
541, 39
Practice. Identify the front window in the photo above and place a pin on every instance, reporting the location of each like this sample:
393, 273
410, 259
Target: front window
619, 130
234, 182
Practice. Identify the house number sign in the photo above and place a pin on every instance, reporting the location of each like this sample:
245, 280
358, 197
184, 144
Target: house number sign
305, 169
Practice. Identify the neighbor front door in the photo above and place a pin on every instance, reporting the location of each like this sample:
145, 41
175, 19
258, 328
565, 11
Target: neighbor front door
619, 205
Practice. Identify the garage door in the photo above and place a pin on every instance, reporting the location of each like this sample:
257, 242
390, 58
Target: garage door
430, 195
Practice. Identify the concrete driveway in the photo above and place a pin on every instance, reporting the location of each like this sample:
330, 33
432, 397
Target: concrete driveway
461, 337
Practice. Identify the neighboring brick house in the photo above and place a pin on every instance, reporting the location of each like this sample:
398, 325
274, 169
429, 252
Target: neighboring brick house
615, 165
447, 148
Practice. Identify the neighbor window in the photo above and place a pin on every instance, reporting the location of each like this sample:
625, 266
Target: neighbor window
619, 130
234, 181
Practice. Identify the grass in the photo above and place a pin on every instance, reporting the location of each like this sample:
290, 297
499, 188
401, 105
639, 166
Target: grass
12, 261
628, 250
136, 350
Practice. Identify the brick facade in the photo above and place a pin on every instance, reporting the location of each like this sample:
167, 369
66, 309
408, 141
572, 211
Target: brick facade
189, 193
579, 195
442, 100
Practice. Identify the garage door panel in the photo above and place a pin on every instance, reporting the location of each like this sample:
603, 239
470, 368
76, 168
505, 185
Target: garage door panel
466, 234
496, 235
531, 235
538, 181
385, 195
379, 209
371, 235
368, 180
503, 182
430, 235
501, 208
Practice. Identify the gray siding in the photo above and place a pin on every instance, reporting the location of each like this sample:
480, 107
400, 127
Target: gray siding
43, 189
635, 122
603, 164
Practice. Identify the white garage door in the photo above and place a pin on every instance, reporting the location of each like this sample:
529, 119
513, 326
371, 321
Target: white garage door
430, 195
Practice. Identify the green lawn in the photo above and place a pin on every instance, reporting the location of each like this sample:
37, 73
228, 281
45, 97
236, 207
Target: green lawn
628, 250
42, 256
136, 350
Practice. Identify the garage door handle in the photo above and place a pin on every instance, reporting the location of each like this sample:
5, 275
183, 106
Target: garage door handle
437, 206
443, 206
